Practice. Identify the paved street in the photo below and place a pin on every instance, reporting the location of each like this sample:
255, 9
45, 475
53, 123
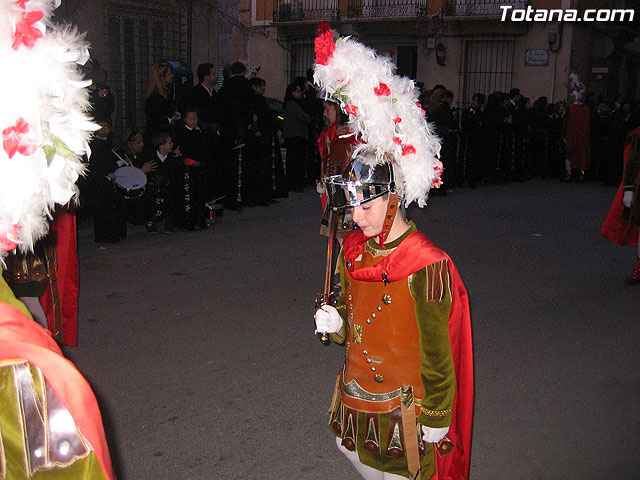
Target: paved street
201, 351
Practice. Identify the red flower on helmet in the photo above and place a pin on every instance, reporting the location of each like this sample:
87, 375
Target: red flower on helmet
21, 4
8, 237
324, 47
351, 109
408, 149
382, 90
397, 141
397, 120
26, 34
19, 139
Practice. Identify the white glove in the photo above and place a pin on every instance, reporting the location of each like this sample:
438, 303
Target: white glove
433, 435
328, 320
626, 199
320, 188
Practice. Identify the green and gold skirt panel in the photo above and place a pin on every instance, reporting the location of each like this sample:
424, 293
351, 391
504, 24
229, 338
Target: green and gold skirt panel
378, 439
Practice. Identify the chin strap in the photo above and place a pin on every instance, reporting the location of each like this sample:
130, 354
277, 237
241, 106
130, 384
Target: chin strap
389, 216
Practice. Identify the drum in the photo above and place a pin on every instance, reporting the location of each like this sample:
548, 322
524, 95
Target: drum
130, 182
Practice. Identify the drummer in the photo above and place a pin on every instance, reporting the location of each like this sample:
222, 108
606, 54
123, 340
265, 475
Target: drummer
109, 222
130, 155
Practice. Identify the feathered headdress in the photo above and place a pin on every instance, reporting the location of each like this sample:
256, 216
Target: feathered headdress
384, 113
577, 87
43, 122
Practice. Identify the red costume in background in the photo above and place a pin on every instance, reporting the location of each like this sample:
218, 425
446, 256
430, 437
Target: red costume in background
578, 138
614, 228
63, 233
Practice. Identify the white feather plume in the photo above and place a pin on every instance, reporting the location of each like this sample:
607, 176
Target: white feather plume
390, 126
43, 87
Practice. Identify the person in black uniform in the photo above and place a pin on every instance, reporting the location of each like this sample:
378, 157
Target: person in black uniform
190, 139
161, 184
109, 223
159, 107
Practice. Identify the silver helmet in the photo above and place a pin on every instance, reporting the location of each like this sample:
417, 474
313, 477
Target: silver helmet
360, 183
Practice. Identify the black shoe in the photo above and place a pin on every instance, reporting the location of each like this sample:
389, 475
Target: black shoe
203, 225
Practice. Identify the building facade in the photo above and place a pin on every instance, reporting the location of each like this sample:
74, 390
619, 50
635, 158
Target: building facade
463, 44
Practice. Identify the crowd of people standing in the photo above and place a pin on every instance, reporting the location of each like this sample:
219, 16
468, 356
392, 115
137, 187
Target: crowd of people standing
504, 136
201, 151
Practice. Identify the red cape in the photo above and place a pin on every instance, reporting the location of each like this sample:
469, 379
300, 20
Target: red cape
578, 139
63, 231
416, 252
21, 337
614, 228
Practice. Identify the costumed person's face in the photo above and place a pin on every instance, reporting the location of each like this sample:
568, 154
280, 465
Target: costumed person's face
297, 93
191, 120
330, 113
370, 215
137, 144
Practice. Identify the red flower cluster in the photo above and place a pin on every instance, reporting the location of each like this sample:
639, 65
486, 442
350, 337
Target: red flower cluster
351, 109
382, 90
8, 236
26, 34
408, 149
324, 47
397, 120
397, 141
18, 139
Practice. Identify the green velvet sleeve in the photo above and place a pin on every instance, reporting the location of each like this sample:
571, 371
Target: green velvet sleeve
633, 164
341, 306
7, 296
430, 288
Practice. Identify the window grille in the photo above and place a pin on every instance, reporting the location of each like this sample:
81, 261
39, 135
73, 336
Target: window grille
139, 34
302, 58
488, 67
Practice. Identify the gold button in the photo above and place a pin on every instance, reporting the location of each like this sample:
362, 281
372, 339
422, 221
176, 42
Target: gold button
373, 369
349, 297
368, 320
351, 315
368, 360
365, 352
373, 315
386, 299
349, 264
378, 378
351, 306
348, 284
379, 308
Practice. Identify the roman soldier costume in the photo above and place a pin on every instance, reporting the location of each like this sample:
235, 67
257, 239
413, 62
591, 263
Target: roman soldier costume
408, 371
50, 423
